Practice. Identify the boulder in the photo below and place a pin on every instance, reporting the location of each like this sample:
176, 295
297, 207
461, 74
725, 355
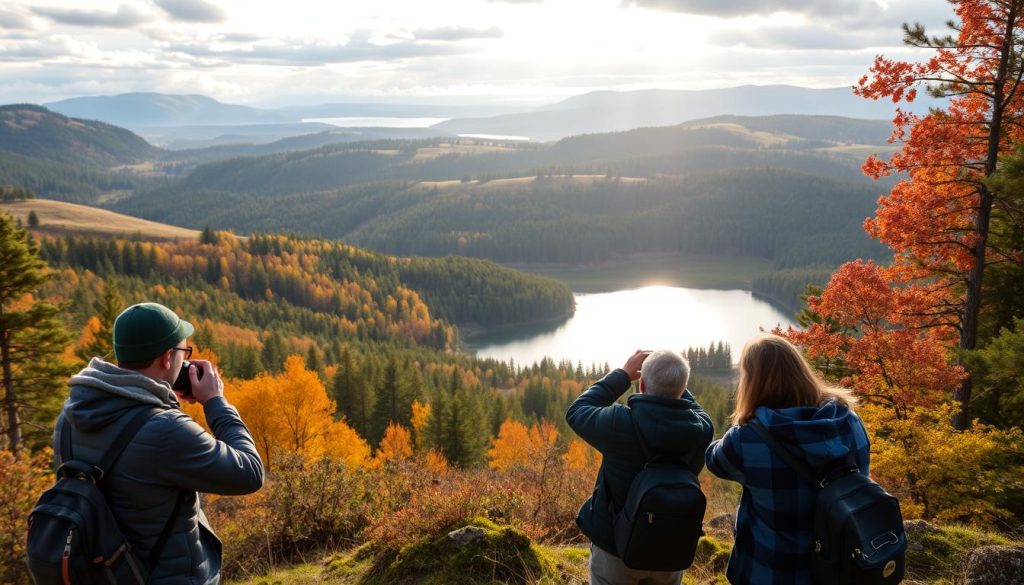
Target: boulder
995, 565
467, 535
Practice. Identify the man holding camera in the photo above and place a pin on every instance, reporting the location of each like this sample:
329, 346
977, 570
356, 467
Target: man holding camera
669, 421
152, 487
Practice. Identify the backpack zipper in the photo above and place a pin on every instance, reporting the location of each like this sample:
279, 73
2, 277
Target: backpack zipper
650, 517
65, 570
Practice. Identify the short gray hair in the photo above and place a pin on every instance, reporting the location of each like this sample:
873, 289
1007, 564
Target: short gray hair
665, 373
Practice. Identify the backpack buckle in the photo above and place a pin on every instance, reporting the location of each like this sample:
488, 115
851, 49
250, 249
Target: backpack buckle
79, 470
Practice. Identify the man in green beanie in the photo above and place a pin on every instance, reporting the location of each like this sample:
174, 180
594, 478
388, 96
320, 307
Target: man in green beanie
152, 488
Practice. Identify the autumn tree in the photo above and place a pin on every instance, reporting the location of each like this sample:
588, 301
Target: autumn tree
32, 339
291, 412
396, 444
938, 217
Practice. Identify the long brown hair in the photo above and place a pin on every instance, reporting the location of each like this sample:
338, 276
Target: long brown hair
774, 374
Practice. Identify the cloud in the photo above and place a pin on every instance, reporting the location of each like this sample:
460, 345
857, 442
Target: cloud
125, 17
288, 52
241, 37
192, 10
732, 8
457, 33
14, 20
805, 38
51, 48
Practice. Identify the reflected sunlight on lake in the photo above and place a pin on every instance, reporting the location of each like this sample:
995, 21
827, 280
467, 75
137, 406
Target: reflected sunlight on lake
608, 327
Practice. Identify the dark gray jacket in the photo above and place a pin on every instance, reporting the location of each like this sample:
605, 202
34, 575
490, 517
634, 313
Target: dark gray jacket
677, 427
170, 453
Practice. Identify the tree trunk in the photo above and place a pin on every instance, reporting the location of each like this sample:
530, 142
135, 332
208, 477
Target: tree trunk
10, 397
972, 300
972, 308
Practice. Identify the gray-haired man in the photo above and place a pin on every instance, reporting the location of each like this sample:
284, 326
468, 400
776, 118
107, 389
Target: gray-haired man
670, 422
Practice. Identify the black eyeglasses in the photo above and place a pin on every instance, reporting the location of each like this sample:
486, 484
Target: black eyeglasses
187, 350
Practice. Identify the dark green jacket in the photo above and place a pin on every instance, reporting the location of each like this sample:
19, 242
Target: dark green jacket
676, 427
170, 453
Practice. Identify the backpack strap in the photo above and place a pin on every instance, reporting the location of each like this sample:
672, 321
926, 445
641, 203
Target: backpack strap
648, 457
636, 431
124, 438
115, 449
165, 534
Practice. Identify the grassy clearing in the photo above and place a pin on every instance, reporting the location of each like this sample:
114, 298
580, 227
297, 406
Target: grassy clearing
59, 218
504, 555
656, 269
430, 152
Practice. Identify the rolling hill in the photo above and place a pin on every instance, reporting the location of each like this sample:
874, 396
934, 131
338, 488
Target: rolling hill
61, 218
40, 133
156, 109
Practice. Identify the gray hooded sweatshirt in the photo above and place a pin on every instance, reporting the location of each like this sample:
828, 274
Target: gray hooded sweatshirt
170, 453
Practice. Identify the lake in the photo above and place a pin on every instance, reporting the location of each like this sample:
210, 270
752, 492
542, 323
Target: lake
609, 326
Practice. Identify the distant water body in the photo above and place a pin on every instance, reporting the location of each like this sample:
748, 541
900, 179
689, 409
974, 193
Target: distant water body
381, 122
392, 122
608, 327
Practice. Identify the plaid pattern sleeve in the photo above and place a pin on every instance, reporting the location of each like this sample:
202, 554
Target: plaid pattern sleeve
774, 522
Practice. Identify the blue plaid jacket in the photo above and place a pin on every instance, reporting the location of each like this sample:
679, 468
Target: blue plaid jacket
774, 530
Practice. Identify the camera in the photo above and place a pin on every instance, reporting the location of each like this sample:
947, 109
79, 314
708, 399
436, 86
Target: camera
183, 383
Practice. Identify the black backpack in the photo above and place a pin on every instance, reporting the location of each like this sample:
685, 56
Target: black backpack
858, 526
73, 538
662, 519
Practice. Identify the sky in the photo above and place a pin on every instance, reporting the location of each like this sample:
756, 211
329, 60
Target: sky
514, 52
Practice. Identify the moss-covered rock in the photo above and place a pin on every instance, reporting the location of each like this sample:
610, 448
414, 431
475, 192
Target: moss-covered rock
502, 555
937, 554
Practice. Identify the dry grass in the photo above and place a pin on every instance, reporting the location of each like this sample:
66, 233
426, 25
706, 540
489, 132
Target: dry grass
430, 152
520, 181
764, 138
59, 218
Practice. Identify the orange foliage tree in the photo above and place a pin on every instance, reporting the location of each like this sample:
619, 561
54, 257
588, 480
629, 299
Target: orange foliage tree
938, 217
291, 412
22, 479
396, 444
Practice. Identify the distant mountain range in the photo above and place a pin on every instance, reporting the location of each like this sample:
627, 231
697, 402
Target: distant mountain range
610, 111
195, 121
154, 109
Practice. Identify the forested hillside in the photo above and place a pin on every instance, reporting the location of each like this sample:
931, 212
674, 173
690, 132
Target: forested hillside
317, 290
67, 158
37, 132
783, 188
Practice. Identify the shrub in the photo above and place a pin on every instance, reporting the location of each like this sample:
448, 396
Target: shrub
307, 507
22, 480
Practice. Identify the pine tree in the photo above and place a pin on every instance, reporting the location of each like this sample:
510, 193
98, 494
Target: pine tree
352, 394
32, 339
313, 361
274, 352
33, 219
102, 344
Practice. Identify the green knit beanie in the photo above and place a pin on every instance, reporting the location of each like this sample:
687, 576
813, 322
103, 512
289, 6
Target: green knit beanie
146, 330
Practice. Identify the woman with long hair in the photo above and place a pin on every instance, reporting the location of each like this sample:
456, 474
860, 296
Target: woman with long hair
816, 423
